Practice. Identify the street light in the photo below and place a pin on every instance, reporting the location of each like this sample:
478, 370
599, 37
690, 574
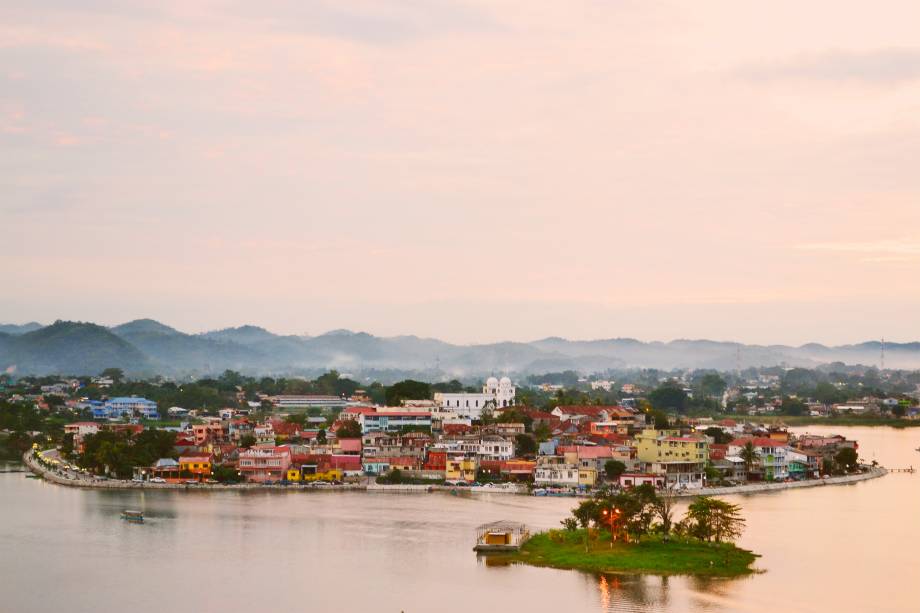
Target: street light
612, 515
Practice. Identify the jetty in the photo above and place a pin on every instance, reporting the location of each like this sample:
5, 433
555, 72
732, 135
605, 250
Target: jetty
500, 536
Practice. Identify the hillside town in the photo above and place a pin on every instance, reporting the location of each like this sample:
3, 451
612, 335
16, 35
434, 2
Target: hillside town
459, 438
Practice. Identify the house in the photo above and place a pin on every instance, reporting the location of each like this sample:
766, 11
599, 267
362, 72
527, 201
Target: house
198, 465
165, 468
803, 464
350, 465
553, 470
206, 433
266, 463
461, 467
771, 463
376, 466
628, 480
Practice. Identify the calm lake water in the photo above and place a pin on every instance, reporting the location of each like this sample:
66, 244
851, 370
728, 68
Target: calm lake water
840, 548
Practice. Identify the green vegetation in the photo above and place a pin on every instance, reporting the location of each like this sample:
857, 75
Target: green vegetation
117, 453
348, 428
634, 531
397, 477
677, 556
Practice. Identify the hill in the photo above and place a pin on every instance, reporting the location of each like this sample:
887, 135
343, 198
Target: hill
146, 345
73, 348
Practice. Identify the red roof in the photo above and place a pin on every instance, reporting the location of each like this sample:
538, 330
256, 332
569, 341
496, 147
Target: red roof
350, 444
346, 462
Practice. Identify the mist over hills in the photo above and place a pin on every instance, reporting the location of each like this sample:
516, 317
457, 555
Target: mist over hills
148, 347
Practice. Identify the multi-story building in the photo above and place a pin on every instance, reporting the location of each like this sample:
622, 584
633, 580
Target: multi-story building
554, 470
394, 421
260, 464
771, 463
496, 394
128, 407
680, 459
301, 402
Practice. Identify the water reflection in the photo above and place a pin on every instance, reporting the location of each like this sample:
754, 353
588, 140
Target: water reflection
414, 553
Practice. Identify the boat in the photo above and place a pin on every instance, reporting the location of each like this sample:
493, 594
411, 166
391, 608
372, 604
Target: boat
498, 488
135, 517
539, 492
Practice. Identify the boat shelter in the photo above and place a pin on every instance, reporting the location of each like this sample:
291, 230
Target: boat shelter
501, 535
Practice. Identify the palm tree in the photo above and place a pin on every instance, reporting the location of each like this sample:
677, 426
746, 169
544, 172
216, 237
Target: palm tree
749, 455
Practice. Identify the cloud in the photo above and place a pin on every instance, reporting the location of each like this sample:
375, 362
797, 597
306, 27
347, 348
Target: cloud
879, 66
876, 251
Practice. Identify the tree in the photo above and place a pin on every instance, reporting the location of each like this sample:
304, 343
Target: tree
711, 519
542, 432
247, 441
847, 459
225, 474
712, 385
718, 435
117, 375
613, 469
348, 428
525, 444
669, 396
749, 455
407, 390
321, 436
792, 406
664, 509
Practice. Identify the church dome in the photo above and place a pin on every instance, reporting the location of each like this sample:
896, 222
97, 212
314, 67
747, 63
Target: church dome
491, 382
505, 381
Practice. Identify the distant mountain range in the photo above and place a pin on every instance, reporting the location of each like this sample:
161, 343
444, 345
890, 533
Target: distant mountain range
147, 347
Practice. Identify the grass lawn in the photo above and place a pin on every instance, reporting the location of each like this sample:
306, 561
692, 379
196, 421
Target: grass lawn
565, 549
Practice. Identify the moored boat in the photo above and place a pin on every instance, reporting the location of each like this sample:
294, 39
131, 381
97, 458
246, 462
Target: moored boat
135, 517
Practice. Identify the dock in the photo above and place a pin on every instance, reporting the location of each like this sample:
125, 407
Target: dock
500, 536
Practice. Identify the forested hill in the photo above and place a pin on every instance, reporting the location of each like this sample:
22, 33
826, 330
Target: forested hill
148, 347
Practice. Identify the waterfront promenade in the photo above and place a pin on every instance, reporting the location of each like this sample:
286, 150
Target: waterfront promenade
75, 479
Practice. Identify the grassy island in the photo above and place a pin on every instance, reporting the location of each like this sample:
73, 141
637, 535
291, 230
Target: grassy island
634, 531
679, 556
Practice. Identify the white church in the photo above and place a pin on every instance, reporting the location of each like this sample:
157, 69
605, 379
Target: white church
495, 394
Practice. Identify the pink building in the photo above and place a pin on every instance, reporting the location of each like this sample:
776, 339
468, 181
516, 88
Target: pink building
261, 464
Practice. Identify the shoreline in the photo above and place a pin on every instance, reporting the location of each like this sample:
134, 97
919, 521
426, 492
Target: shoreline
752, 488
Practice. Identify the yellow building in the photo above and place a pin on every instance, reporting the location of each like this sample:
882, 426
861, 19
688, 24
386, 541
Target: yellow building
333, 474
461, 469
587, 476
196, 465
681, 459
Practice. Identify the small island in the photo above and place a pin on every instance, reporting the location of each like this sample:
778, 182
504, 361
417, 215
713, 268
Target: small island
634, 532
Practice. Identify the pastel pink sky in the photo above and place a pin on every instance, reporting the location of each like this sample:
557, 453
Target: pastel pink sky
468, 170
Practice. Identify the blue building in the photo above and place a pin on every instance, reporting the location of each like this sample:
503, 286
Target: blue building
130, 407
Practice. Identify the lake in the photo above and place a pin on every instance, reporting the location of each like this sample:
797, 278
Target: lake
835, 548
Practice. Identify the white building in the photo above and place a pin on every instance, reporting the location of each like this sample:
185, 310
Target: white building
554, 471
496, 394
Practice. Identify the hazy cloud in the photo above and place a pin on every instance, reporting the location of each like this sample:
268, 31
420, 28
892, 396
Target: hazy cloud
878, 66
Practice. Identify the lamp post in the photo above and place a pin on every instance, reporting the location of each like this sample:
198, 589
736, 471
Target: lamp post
611, 515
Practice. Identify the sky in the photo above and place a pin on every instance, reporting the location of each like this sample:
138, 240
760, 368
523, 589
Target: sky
468, 170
